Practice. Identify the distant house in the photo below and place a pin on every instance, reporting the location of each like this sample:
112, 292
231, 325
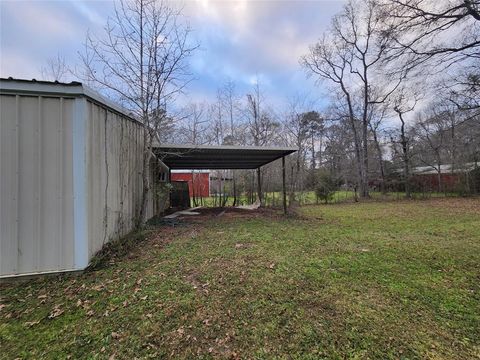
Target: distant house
220, 182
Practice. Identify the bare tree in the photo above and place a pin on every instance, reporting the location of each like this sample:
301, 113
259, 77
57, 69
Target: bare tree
55, 69
375, 122
462, 88
261, 127
349, 57
445, 32
432, 136
194, 126
403, 104
141, 61
231, 103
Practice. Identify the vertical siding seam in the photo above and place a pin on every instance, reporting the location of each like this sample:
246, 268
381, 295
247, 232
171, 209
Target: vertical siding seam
105, 148
39, 173
80, 223
17, 175
60, 197
17, 186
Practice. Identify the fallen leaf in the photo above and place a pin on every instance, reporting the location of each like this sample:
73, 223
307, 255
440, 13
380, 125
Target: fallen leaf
116, 335
55, 312
31, 323
98, 287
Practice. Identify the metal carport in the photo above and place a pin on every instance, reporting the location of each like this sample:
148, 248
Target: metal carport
201, 157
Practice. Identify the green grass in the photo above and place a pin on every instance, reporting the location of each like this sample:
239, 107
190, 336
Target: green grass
309, 198
378, 280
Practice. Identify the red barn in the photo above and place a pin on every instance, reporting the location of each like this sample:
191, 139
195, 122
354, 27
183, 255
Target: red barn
427, 177
198, 182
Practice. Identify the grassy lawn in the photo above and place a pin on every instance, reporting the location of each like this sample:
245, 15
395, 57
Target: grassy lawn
368, 280
309, 198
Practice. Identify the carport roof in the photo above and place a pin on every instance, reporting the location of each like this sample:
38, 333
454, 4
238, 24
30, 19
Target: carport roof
193, 157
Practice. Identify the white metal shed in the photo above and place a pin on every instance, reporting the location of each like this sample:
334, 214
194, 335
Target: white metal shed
70, 175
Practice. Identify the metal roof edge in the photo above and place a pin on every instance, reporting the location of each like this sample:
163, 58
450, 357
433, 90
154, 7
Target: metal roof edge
225, 147
56, 88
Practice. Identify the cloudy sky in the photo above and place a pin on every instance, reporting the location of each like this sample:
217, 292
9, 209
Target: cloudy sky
239, 40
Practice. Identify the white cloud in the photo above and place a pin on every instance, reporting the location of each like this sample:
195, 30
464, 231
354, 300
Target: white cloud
18, 66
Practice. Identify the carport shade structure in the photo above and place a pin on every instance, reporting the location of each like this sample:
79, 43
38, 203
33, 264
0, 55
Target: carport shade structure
202, 157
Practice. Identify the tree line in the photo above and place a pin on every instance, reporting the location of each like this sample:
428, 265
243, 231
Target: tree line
401, 79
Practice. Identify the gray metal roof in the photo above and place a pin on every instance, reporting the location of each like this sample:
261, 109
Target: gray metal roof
194, 157
61, 89
444, 169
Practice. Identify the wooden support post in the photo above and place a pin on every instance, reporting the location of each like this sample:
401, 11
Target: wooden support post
284, 187
259, 187
170, 192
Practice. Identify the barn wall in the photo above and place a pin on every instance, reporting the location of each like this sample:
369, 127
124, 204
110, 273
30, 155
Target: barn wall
429, 182
36, 184
198, 183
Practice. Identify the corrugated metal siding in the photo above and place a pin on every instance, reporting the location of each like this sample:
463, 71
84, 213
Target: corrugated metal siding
49, 220
36, 189
114, 166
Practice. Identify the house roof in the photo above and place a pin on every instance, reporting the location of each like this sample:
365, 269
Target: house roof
193, 157
444, 169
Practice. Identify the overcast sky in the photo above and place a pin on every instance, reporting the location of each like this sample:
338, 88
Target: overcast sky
238, 40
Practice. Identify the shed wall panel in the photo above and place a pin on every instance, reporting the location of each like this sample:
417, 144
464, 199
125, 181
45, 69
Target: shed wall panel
114, 167
8, 185
42, 203
36, 184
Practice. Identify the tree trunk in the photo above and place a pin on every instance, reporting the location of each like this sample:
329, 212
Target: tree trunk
380, 158
259, 187
314, 165
439, 175
234, 183
405, 155
147, 156
364, 189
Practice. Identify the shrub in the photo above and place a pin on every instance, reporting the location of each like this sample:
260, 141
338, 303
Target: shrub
325, 187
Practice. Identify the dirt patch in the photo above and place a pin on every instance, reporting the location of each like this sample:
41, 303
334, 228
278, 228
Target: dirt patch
228, 213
